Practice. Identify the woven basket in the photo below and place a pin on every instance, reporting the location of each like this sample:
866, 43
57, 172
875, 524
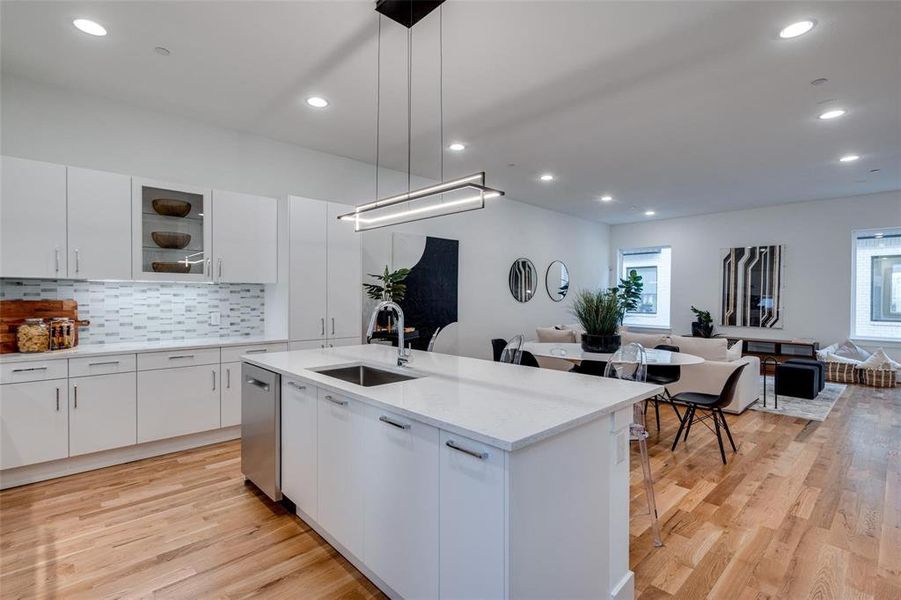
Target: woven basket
879, 378
839, 372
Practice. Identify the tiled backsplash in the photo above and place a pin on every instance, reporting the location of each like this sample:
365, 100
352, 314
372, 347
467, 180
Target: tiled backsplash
145, 312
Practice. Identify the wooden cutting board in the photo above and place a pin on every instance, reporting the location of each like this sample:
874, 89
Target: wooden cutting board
14, 312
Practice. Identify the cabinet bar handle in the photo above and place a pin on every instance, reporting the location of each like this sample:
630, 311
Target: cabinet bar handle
333, 325
75, 389
106, 362
177, 356
452, 444
56, 256
213, 373
394, 423
323, 325
258, 383
219, 267
228, 379
57, 399
257, 351
77, 261
296, 385
337, 401
25, 370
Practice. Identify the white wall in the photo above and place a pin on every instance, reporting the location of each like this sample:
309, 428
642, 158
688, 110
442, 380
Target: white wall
57, 125
817, 239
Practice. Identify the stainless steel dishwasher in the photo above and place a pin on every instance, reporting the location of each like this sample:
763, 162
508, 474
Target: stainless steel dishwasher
261, 429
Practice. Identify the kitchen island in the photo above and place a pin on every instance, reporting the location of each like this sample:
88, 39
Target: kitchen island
466, 479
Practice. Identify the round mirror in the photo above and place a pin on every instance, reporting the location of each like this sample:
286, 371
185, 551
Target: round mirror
523, 280
556, 281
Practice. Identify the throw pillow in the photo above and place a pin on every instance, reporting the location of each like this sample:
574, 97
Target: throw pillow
824, 352
555, 336
707, 348
647, 340
849, 349
841, 359
733, 353
879, 360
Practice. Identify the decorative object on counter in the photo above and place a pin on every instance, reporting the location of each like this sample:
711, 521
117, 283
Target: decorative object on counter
170, 207
601, 312
13, 313
392, 287
171, 239
62, 333
752, 278
33, 336
556, 281
170, 267
523, 279
703, 326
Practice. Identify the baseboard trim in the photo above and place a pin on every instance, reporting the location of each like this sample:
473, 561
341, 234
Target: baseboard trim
98, 460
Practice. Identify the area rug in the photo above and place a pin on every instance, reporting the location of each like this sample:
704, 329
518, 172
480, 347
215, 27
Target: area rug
815, 410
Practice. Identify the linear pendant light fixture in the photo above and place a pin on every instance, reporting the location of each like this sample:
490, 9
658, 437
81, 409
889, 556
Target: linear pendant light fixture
449, 197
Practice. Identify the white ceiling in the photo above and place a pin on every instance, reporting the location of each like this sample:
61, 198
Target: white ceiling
680, 107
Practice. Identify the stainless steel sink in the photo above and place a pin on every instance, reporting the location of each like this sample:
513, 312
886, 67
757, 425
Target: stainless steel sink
365, 376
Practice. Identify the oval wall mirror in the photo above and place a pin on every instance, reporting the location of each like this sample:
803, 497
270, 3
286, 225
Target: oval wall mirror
523, 279
556, 281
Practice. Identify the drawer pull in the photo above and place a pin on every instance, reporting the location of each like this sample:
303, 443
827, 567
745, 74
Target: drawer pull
178, 356
260, 384
257, 351
337, 401
296, 385
228, 379
57, 399
106, 362
75, 391
26, 370
394, 423
322, 321
452, 444
213, 373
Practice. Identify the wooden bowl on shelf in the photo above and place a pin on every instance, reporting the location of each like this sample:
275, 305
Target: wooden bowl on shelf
170, 207
170, 267
171, 239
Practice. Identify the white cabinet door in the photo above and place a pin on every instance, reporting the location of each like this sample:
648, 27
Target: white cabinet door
32, 219
345, 292
308, 268
472, 519
102, 412
299, 424
99, 213
34, 423
245, 238
230, 412
339, 470
177, 401
401, 512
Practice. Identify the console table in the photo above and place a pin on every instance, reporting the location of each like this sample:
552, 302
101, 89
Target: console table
780, 350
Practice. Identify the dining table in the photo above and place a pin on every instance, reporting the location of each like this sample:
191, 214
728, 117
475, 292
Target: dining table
574, 353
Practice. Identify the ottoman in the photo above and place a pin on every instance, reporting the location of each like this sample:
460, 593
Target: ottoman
814, 363
797, 380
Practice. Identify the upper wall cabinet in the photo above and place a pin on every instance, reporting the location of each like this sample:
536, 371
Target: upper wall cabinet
172, 229
245, 238
32, 219
99, 215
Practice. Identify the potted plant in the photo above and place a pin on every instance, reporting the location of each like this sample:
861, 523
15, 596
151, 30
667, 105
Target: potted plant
601, 312
703, 325
391, 287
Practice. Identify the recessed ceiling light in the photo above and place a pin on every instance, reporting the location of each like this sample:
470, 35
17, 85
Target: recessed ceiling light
849, 158
546, 177
457, 147
317, 102
606, 198
878, 235
832, 114
796, 29
649, 213
90, 27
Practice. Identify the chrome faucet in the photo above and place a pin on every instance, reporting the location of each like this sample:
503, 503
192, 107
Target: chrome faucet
403, 355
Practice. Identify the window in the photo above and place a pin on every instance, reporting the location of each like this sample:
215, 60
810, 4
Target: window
877, 285
653, 264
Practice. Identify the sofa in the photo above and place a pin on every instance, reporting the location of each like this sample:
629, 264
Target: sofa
707, 377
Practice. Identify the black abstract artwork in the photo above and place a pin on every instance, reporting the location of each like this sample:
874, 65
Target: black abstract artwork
431, 299
752, 287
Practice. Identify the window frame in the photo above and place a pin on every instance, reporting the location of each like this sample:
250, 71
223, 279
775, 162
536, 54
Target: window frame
622, 253
857, 234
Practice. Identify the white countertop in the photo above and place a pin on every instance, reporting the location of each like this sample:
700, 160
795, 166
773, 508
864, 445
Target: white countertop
505, 406
135, 347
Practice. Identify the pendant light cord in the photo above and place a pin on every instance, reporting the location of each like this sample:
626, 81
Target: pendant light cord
410, 106
378, 103
441, 83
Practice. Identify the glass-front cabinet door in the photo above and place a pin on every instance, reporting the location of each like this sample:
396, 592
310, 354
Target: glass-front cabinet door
171, 231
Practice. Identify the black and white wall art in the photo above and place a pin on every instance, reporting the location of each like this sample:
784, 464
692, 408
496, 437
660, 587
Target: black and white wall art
752, 283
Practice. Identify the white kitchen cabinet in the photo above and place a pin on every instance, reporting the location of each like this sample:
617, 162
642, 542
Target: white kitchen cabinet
325, 266
299, 443
230, 400
344, 275
182, 242
102, 412
339, 460
32, 219
472, 508
177, 401
245, 238
99, 224
401, 507
34, 422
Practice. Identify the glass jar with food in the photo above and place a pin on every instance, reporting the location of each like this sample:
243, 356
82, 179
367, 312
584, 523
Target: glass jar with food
62, 333
33, 336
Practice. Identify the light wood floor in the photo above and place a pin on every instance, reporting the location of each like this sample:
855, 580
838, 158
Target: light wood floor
805, 510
